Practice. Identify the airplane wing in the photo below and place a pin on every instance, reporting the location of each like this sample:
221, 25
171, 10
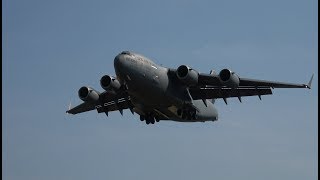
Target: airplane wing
210, 87
213, 80
86, 106
107, 102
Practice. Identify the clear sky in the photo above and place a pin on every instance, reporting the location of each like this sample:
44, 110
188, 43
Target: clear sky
52, 48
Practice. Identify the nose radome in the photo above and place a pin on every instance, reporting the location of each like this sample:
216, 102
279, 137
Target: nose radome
119, 61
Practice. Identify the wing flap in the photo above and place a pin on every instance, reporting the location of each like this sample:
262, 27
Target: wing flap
120, 104
214, 93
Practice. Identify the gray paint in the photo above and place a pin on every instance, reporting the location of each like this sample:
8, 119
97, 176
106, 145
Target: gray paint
158, 93
154, 89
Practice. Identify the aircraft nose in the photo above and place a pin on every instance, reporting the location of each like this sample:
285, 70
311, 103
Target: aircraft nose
119, 61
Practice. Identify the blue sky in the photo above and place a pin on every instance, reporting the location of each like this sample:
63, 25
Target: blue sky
52, 48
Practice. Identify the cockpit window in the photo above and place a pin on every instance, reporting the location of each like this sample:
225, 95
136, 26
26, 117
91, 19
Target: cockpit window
125, 52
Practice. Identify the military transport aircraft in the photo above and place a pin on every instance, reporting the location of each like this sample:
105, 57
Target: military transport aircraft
159, 93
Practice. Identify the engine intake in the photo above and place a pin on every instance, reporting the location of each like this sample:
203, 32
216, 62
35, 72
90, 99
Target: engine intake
109, 83
88, 94
187, 75
229, 78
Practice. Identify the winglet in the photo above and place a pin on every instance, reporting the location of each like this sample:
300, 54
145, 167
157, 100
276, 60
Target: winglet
309, 83
69, 107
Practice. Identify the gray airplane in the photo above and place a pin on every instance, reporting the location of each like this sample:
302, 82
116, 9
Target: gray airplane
159, 93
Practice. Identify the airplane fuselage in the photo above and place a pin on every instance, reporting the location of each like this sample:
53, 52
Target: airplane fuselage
152, 88
159, 93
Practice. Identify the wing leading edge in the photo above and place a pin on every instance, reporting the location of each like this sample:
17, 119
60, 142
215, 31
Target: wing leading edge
213, 80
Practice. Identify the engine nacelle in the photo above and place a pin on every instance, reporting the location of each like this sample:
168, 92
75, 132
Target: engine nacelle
88, 94
187, 75
229, 78
109, 83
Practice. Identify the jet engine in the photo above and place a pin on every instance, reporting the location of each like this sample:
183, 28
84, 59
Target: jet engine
187, 75
88, 94
229, 78
109, 83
